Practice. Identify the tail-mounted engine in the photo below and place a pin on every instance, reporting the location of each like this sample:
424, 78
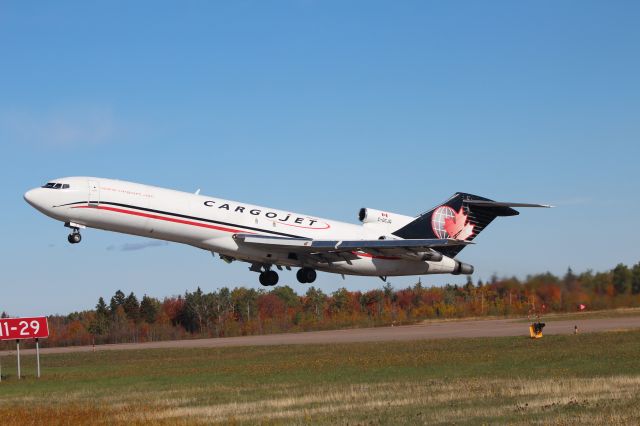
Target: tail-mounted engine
378, 217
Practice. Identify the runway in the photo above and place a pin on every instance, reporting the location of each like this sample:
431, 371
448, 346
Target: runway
429, 330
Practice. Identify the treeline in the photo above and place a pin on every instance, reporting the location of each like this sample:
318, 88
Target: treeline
247, 311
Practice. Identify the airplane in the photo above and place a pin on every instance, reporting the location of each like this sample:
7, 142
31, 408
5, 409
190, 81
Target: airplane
385, 244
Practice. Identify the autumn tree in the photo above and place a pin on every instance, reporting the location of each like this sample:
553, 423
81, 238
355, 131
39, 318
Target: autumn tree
245, 302
248, 311
287, 295
270, 306
172, 308
340, 301
194, 315
315, 301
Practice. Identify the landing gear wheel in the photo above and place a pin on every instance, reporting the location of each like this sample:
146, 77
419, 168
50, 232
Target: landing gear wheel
272, 277
74, 238
306, 275
263, 279
268, 278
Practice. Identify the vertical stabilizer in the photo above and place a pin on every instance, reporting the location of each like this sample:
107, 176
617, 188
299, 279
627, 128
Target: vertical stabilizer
461, 217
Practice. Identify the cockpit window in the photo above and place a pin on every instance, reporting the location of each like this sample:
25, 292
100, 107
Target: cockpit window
54, 185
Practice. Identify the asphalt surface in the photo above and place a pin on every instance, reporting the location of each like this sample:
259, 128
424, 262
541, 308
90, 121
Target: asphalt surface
432, 330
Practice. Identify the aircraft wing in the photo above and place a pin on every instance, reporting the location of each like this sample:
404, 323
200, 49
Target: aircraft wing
335, 250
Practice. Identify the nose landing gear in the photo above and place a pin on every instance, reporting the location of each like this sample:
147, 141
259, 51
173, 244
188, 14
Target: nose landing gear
306, 275
74, 237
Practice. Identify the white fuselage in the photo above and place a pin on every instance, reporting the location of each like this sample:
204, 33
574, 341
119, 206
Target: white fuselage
210, 224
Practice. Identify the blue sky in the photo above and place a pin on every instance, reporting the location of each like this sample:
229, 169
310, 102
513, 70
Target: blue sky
321, 108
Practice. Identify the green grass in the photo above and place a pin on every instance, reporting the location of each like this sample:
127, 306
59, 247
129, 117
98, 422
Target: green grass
588, 378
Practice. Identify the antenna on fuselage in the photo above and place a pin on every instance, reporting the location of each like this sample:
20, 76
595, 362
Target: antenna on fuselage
198, 191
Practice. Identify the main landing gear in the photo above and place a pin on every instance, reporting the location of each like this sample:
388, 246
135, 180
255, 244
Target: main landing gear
306, 275
268, 278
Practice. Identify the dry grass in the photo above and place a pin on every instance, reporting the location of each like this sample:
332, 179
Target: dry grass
439, 401
611, 400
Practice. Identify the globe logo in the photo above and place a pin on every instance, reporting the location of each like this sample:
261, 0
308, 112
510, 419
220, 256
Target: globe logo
438, 219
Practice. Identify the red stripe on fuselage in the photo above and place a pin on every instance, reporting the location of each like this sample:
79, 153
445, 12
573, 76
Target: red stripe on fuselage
167, 219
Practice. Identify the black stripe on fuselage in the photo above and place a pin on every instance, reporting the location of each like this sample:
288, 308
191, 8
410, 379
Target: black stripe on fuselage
183, 216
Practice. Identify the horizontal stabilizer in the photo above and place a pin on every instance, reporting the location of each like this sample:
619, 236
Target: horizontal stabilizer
463, 217
488, 203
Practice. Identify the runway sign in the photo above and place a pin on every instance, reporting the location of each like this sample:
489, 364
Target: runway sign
24, 328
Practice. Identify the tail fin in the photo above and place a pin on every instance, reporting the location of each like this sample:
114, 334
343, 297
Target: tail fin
462, 217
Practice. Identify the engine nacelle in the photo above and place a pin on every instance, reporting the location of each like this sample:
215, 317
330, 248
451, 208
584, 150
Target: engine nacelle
433, 256
373, 216
462, 268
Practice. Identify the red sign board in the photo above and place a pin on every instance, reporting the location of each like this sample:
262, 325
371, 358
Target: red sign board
24, 328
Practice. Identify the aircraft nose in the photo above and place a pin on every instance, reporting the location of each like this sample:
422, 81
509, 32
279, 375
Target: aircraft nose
35, 198
29, 196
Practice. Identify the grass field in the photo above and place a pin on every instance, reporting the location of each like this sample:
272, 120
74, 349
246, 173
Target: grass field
589, 378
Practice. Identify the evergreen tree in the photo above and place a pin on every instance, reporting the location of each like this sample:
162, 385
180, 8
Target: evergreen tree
117, 300
621, 279
149, 308
132, 307
100, 323
468, 287
570, 281
101, 308
635, 278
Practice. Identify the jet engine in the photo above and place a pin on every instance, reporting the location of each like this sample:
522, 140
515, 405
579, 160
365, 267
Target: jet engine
462, 268
373, 216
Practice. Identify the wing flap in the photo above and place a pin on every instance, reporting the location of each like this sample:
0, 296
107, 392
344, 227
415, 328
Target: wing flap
336, 250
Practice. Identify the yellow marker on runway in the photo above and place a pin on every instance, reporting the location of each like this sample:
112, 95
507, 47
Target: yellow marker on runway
535, 330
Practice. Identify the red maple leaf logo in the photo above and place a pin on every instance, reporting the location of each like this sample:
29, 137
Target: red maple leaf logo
458, 226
